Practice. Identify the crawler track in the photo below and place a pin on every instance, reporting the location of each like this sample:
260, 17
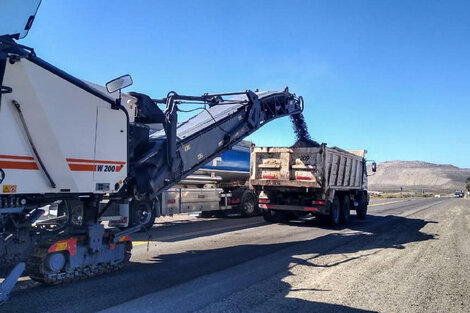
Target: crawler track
36, 269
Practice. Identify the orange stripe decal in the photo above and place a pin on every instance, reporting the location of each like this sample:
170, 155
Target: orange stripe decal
83, 167
16, 157
18, 165
95, 161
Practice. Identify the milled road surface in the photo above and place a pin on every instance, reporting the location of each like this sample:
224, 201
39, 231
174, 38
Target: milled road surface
407, 256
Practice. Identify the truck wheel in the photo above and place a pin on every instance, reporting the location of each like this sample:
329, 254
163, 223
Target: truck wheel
248, 204
361, 210
267, 216
335, 211
345, 209
142, 213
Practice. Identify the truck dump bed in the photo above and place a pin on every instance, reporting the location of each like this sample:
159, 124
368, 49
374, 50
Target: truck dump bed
311, 167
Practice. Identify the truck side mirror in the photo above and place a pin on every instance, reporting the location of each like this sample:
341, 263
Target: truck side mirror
374, 167
119, 83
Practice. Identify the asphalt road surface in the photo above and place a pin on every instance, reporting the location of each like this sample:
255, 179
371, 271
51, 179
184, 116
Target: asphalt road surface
407, 256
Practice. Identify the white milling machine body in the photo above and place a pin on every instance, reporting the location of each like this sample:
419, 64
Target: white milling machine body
66, 142
80, 141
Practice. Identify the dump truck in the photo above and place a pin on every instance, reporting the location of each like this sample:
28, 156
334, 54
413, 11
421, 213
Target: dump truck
298, 182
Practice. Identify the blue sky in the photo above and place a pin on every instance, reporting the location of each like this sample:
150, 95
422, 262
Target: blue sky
389, 76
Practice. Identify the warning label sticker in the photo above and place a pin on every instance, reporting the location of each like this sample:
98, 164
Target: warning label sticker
9, 188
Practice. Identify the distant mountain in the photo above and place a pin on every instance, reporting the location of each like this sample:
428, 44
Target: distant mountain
417, 176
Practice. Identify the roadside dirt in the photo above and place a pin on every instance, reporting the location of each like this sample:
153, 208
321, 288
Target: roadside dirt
420, 265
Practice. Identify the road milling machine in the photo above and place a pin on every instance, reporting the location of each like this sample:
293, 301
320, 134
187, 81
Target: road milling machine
69, 145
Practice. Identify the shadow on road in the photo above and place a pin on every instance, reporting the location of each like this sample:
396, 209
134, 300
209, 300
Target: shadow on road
377, 232
197, 229
168, 270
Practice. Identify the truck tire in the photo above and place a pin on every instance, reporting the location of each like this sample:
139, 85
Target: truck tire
345, 209
335, 212
361, 210
248, 204
142, 213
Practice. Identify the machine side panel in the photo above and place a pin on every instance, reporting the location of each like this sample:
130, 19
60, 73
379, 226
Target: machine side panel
61, 119
16, 158
111, 137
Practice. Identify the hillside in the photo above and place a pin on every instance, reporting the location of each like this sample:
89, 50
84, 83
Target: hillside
417, 176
